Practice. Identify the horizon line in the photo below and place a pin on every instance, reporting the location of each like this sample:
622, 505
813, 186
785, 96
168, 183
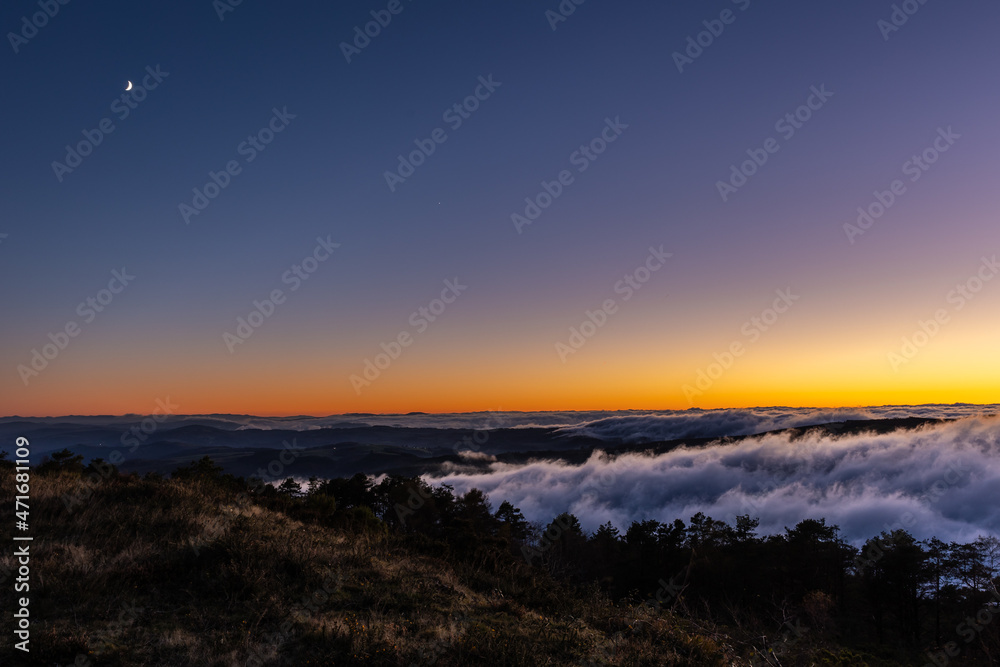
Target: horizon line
488, 411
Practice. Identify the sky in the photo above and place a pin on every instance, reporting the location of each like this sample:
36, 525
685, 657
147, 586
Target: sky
586, 234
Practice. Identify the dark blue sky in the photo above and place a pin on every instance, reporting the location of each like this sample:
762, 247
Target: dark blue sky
324, 175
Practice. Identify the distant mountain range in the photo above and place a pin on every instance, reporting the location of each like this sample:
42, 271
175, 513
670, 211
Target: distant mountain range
348, 446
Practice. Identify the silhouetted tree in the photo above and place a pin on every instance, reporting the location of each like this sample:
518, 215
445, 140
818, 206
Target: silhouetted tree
290, 488
204, 469
353, 492
563, 546
893, 581
513, 525
59, 462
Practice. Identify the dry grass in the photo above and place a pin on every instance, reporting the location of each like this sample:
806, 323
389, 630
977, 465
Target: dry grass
151, 572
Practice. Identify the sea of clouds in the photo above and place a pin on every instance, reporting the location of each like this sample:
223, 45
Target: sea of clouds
633, 426
939, 480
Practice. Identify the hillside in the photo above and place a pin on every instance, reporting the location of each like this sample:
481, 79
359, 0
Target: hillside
209, 569
162, 572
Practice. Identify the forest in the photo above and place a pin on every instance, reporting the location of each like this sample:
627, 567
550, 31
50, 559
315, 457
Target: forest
805, 596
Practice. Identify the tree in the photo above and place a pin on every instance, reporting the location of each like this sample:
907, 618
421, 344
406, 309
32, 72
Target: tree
641, 548
937, 571
313, 484
204, 469
474, 508
406, 502
361, 520
746, 529
974, 564
353, 492
606, 547
670, 536
563, 545
816, 558
893, 578
513, 525
290, 488
59, 462
705, 531
101, 468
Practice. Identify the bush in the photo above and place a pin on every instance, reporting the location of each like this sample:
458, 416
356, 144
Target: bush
361, 520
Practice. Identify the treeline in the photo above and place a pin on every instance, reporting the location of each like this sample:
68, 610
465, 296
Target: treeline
896, 597
895, 592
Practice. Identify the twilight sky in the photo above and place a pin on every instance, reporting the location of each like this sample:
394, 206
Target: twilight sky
641, 220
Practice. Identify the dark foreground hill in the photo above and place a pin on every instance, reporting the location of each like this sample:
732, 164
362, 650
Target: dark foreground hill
164, 572
204, 569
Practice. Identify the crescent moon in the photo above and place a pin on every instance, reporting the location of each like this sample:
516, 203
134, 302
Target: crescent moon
129, 86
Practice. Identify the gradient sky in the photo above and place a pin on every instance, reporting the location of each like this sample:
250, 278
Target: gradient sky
495, 346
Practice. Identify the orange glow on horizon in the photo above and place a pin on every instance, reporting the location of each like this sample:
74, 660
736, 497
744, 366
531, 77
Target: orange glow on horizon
619, 370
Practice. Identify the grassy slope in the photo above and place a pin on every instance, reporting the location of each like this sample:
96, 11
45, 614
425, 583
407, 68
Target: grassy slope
168, 573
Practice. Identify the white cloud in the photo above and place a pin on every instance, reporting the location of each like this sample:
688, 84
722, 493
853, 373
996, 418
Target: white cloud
945, 476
